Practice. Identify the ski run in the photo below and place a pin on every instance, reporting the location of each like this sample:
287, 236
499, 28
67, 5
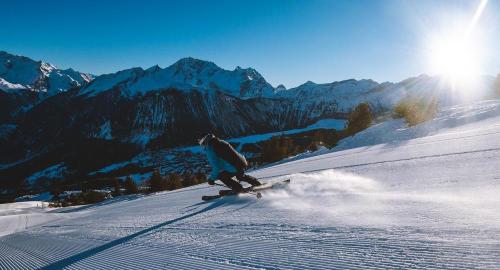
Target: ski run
391, 197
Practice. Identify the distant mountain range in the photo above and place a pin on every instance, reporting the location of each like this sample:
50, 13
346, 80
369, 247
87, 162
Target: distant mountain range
49, 116
19, 72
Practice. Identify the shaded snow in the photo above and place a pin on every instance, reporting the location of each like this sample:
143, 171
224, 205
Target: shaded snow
46, 196
139, 178
7, 86
55, 171
104, 132
108, 81
112, 167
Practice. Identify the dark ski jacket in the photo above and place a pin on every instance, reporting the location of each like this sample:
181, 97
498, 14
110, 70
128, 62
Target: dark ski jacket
223, 157
225, 151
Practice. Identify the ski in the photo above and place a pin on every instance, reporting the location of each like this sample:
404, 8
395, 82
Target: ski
254, 190
210, 197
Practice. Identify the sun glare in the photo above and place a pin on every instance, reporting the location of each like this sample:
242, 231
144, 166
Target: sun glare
456, 54
456, 59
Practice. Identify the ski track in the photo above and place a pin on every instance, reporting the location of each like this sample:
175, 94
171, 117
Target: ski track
427, 203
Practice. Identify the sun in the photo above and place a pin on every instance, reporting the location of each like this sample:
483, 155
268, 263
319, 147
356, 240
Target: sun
457, 59
457, 53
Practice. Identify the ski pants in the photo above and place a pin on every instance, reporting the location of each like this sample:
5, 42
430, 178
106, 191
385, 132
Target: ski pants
227, 179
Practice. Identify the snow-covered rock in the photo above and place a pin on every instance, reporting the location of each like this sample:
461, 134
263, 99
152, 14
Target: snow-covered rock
7, 86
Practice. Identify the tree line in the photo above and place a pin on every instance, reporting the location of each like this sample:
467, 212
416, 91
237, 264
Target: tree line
95, 191
283, 146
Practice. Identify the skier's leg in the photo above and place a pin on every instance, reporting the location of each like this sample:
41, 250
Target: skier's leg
226, 178
249, 179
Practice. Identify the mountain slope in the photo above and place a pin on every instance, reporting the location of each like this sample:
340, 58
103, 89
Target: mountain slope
426, 203
166, 118
25, 83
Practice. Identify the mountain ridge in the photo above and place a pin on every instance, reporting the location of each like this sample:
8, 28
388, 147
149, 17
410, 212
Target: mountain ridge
185, 74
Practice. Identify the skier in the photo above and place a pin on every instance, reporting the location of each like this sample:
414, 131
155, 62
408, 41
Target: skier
226, 163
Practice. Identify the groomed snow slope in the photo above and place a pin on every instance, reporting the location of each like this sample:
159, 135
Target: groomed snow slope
15, 217
429, 202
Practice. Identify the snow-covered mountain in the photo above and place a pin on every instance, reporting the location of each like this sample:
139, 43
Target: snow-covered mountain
19, 72
25, 82
88, 125
345, 95
186, 74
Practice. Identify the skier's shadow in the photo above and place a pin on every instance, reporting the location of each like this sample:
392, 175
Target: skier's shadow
93, 251
226, 200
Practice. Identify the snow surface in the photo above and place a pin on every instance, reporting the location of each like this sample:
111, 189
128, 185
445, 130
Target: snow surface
46, 196
430, 202
19, 216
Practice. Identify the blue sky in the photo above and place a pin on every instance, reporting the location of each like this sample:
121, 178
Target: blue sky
288, 42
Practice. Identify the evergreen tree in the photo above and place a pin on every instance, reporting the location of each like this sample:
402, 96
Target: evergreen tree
130, 186
415, 110
117, 188
200, 177
312, 147
174, 181
156, 182
359, 119
277, 148
23, 187
189, 179
55, 191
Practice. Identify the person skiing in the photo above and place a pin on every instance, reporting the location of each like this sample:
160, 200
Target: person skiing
226, 163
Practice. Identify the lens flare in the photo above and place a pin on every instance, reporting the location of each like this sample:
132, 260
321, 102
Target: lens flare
456, 54
456, 59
